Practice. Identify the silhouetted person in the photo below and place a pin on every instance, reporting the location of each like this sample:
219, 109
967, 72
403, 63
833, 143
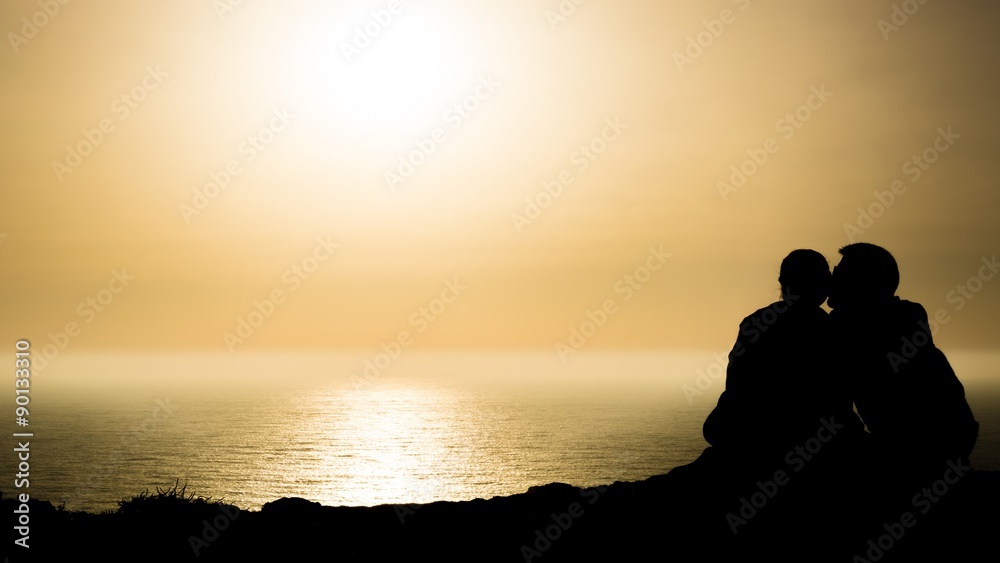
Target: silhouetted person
903, 386
784, 427
780, 386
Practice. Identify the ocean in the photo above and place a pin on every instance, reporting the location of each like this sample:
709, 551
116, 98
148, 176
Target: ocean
249, 429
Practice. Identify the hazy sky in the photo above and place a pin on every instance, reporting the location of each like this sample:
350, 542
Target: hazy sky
373, 163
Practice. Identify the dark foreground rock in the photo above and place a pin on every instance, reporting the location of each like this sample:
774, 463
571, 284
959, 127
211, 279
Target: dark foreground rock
671, 517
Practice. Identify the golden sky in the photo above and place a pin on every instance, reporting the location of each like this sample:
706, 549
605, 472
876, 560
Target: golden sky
338, 173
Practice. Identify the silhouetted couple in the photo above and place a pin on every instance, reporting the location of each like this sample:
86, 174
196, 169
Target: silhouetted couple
793, 367
787, 420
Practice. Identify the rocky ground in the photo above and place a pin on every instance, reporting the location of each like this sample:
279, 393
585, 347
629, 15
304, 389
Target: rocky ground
672, 517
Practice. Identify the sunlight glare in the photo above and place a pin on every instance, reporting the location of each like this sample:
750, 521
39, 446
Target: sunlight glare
399, 80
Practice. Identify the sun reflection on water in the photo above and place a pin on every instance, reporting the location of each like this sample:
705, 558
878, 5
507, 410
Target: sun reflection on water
387, 443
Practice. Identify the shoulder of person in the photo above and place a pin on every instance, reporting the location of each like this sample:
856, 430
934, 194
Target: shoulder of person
911, 310
765, 312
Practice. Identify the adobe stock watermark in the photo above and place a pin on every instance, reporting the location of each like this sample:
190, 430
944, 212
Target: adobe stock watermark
627, 286
913, 169
899, 17
699, 42
404, 511
248, 150
923, 501
292, 278
561, 13
211, 530
544, 538
88, 309
788, 125
910, 346
421, 319
225, 7
130, 442
454, 118
121, 108
30, 26
796, 459
751, 330
366, 33
580, 160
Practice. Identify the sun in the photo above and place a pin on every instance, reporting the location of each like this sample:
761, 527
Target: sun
388, 74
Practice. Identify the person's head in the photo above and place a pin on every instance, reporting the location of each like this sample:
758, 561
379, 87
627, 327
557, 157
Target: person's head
804, 278
866, 274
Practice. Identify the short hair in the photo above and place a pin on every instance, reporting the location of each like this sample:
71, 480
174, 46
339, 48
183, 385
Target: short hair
878, 265
805, 270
